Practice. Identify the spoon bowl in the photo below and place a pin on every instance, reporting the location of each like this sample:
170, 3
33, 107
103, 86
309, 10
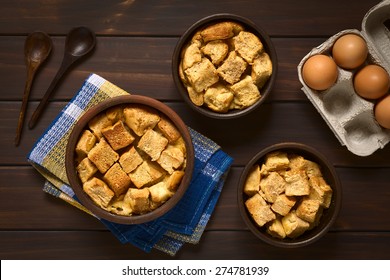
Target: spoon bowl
79, 42
37, 48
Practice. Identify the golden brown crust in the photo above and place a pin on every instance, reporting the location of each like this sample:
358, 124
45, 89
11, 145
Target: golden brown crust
117, 179
103, 156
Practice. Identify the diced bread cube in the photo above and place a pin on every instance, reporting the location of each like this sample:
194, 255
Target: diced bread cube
120, 207
152, 143
246, 93
138, 200
191, 55
202, 75
114, 114
140, 118
293, 225
98, 191
168, 129
117, 179
159, 193
216, 50
252, 183
130, 160
219, 31
297, 183
118, 136
173, 180
308, 209
86, 142
232, 68
196, 97
218, 98
320, 191
86, 169
283, 204
255, 202
313, 169
297, 162
276, 229
99, 122
171, 159
261, 69
272, 186
146, 174
275, 161
247, 45
263, 215
103, 156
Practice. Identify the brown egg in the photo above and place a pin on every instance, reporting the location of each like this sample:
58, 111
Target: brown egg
371, 82
319, 72
350, 51
382, 112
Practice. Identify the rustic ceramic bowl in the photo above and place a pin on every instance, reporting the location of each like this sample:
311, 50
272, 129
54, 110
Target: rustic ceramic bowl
249, 26
75, 181
329, 215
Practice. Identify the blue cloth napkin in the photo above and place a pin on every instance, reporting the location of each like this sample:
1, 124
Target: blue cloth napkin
185, 223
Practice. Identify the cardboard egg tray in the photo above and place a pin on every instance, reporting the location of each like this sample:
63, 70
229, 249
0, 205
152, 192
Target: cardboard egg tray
351, 117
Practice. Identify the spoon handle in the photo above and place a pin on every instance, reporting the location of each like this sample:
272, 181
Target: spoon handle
27, 88
41, 106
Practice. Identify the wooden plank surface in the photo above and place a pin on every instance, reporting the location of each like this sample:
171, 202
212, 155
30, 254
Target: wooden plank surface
136, 40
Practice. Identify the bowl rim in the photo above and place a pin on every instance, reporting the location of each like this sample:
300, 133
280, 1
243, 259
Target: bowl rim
249, 25
331, 213
75, 182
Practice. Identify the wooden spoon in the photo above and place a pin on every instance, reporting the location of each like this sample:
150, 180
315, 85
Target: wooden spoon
37, 48
79, 42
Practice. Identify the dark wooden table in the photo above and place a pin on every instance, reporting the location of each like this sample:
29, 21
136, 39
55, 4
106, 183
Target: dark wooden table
135, 41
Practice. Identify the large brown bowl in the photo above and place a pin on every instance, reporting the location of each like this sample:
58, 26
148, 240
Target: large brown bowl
75, 181
329, 215
249, 26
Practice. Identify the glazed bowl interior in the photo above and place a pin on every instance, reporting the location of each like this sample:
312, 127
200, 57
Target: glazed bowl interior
249, 26
329, 215
76, 183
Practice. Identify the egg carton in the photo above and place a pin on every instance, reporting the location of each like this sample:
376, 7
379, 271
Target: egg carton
351, 117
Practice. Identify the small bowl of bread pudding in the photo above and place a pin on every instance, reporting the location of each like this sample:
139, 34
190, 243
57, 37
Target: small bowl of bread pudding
289, 195
224, 66
129, 159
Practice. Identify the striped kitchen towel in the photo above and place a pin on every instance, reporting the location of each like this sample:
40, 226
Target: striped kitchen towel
185, 223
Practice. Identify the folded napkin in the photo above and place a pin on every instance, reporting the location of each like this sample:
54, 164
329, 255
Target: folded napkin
185, 223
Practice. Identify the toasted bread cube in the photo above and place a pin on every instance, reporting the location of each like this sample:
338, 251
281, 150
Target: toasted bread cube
202, 75
114, 114
171, 159
138, 200
320, 191
261, 69
173, 180
259, 210
146, 174
86, 142
191, 55
276, 229
118, 136
272, 186
313, 169
168, 129
140, 118
117, 179
297, 162
245, 92
159, 193
218, 98
103, 156
275, 161
97, 123
152, 143
196, 97
216, 50
297, 183
218, 31
317, 218
232, 68
283, 204
86, 169
252, 183
293, 225
307, 209
247, 45
120, 207
130, 160
98, 191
